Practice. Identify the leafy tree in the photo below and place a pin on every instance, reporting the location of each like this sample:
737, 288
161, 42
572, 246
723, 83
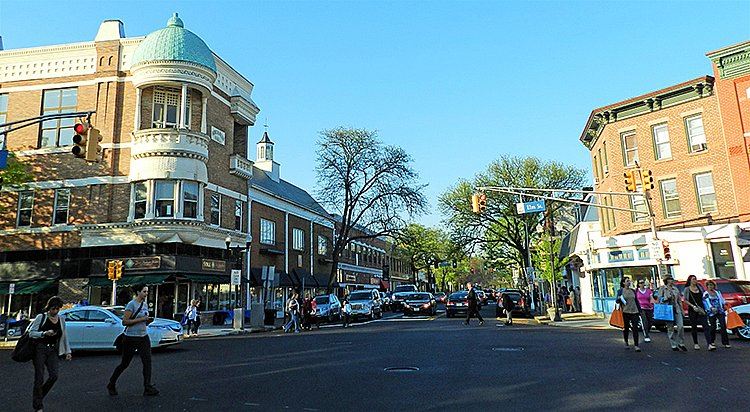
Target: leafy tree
16, 172
371, 186
424, 247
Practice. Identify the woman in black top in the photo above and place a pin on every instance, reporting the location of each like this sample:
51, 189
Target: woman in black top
50, 341
693, 295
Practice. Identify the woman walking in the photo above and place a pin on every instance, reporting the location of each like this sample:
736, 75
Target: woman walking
630, 311
693, 295
293, 309
135, 340
48, 334
346, 308
670, 295
714, 304
191, 313
645, 297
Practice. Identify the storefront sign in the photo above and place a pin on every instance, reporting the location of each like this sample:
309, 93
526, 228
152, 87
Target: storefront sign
141, 263
374, 281
236, 277
620, 256
214, 265
218, 135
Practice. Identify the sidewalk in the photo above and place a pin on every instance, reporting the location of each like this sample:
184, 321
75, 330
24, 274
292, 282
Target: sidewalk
577, 320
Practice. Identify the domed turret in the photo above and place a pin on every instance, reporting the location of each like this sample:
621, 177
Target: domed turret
174, 43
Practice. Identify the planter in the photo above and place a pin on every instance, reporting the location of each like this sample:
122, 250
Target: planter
551, 313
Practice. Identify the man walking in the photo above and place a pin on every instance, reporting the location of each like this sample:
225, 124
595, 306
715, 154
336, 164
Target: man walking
473, 305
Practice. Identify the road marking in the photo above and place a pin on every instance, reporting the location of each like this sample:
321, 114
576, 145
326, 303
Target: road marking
699, 378
198, 399
679, 369
310, 409
665, 363
508, 349
251, 404
649, 356
724, 389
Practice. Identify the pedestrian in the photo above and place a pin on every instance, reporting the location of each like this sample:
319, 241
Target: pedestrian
50, 340
21, 315
313, 313
508, 306
473, 309
307, 312
645, 297
346, 309
714, 303
670, 295
197, 323
190, 315
577, 300
135, 340
573, 301
693, 295
292, 307
631, 310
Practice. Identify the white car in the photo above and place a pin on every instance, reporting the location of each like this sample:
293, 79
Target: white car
97, 328
744, 312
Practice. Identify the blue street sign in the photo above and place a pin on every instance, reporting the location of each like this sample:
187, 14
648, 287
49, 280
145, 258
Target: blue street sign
3, 159
531, 207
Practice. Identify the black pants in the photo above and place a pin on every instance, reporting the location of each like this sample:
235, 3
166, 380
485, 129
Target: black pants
722, 321
130, 346
45, 355
473, 310
695, 321
190, 326
647, 319
631, 323
196, 325
347, 319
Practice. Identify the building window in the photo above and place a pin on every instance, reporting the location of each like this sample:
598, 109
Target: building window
3, 109
322, 245
696, 134
215, 209
670, 198
629, 148
140, 194
596, 170
190, 191
267, 232
704, 186
62, 201
238, 215
298, 239
606, 159
58, 132
25, 208
164, 198
166, 111
639, 203
601, 164
662, 149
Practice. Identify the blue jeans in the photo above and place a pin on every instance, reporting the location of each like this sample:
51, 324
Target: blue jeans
291, 322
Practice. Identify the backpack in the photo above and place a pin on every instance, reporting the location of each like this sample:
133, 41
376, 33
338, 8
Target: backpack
24, 350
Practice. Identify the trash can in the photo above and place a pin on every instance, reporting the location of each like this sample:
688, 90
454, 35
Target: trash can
270, 317
238, 321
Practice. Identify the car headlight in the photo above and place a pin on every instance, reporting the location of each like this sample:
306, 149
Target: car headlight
426, 305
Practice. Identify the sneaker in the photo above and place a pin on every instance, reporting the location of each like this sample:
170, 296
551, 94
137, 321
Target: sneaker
682, 348
727, 346
697, 347
676, 349
712, 347
647, 339
150, 391
111, 389
637, 349
481, 322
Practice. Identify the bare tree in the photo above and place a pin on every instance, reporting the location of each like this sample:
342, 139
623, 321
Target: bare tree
371, 186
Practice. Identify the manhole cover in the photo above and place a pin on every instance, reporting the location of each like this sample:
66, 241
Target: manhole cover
507, 349
402, 369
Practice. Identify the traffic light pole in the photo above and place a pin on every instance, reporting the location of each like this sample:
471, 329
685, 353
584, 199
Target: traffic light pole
114, 293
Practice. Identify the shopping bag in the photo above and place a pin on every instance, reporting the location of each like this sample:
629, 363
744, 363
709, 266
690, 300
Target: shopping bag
734, 320
616, 319
664, 312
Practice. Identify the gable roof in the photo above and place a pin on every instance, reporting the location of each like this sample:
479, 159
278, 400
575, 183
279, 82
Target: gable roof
286, 191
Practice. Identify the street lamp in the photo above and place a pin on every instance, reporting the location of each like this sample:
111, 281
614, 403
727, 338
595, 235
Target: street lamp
231, 256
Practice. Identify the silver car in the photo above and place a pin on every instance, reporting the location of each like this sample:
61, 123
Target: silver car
97, 328
366, 304
328, 308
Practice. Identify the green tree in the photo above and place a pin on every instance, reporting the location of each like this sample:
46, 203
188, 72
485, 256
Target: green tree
16, 173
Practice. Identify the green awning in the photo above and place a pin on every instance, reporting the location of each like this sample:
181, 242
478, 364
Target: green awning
196, 277
26, 287
129, 280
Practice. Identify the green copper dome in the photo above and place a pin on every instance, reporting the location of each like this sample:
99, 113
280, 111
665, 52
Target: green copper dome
174, 42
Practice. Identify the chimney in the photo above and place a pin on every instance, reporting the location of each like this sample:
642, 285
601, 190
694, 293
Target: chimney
110, 30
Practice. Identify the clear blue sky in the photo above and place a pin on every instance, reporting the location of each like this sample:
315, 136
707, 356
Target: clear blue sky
457, 84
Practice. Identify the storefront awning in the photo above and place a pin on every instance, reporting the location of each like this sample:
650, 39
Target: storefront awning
26, 287
129, 280
200, 278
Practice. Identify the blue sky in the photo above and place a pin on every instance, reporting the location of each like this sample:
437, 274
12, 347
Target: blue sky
457, 84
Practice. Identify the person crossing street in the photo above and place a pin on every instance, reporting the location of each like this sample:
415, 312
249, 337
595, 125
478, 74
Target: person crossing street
473, 301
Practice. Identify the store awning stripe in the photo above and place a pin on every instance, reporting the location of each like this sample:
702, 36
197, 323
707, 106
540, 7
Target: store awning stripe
26, 287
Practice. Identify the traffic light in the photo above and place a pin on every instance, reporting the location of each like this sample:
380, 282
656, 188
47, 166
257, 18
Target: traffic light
630, 183
665, 247
648, 180
92, 145
80, 139
475, 203
111, 268
118, 269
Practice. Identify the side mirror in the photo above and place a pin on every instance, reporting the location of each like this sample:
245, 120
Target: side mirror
110, 321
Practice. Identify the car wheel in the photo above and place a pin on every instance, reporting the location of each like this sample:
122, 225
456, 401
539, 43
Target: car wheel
743, 333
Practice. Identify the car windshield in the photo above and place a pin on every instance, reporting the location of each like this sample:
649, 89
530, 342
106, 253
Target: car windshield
458, 295
419, 296
360, 296
119, 312
322, 300
729, 287
408, 288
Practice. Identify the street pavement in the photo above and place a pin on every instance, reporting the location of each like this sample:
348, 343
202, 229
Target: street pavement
523, 367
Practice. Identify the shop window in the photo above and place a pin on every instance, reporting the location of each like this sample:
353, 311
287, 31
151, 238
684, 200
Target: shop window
164, 199
215, 209
62, 201
723, 260
25, 208
267, 232
190, 192
58, 132
140, 194
298, 239
696, 134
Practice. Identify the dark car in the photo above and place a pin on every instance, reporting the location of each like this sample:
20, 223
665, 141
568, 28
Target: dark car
441, 297
520, 305
420, 303
456, 303
490, 294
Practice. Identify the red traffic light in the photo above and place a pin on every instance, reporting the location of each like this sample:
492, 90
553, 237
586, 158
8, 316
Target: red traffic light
80, 128
665, 247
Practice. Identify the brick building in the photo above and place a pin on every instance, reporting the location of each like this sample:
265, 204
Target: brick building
693, 137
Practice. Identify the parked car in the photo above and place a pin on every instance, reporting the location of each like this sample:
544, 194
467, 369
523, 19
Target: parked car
405, 288
328, 308
97, 328
456, 303
397, 301
520, 305
420, 303
441, 297
490, 294
744, 312
366, 304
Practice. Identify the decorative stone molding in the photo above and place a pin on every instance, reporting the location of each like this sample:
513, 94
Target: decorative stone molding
168, 71
243, 110
733, 61
156, 231
240, 166
168, 142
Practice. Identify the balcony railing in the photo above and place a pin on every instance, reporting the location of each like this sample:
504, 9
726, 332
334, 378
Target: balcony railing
170, 142
240, 166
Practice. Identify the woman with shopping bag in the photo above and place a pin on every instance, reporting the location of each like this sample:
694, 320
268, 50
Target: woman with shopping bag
714, 304
669, 309
631, 310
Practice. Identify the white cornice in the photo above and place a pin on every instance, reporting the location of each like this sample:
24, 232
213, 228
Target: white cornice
64, 84
82, 182
226, 192
57, 48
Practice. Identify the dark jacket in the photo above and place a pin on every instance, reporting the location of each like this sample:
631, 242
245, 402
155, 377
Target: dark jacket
508, 302
472, 297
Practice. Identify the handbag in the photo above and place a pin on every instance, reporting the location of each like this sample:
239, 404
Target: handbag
120, 340
734, 320
696, 308
664, 311
617, 319
24, 350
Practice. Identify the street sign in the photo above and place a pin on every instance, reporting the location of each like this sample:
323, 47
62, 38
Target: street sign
530, 273
11, 288
531, 207
656, 250
236, 277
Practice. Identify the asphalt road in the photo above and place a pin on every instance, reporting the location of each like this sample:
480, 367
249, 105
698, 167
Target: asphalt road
459, 368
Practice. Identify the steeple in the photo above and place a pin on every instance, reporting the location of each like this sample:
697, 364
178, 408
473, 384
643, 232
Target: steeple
264, 156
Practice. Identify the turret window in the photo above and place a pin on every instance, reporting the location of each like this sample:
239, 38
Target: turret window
140, 195
166, 110
164, 198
